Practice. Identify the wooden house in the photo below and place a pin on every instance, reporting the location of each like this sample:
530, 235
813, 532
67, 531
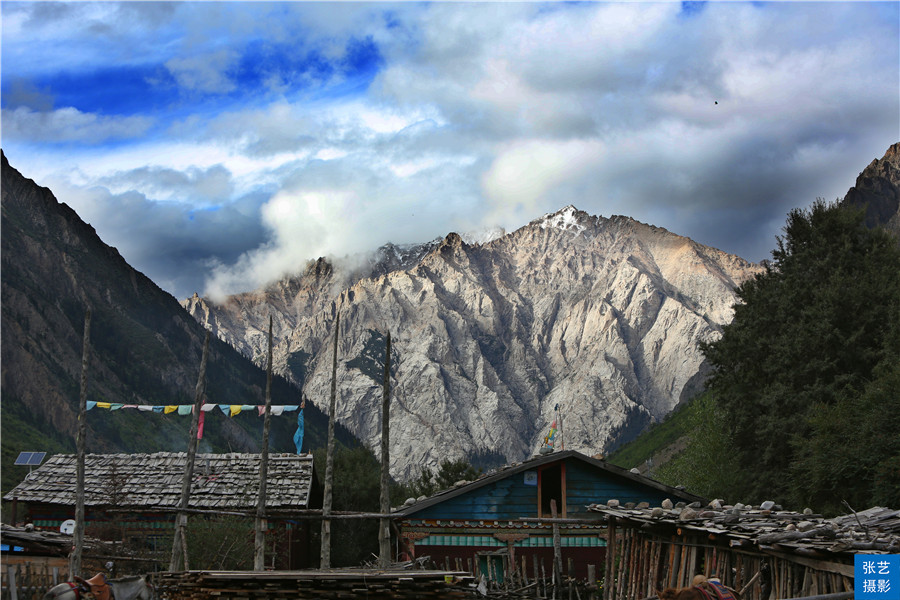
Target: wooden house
762, 552
134, 497
503, 524
34, 560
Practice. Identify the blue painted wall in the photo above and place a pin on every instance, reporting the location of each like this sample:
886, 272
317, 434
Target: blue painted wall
508, 498
586, 484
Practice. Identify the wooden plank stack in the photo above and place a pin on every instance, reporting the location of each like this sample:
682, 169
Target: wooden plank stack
324, 584
762, 552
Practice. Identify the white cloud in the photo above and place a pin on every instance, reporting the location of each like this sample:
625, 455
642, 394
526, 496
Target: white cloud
204, 73
524, 175
191, 185
303, 224
70, 125
481, 114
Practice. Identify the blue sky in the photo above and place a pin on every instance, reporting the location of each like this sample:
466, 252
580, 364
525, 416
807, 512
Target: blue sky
221, 145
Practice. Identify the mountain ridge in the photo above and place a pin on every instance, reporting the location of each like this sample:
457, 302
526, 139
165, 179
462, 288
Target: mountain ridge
144, 349
877, 191
571, 309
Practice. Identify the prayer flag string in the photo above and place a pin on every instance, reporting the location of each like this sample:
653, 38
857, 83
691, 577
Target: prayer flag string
231, 410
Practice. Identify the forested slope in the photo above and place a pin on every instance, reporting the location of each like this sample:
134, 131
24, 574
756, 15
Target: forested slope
145, 349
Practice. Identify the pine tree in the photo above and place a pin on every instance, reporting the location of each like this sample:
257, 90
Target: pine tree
808, 339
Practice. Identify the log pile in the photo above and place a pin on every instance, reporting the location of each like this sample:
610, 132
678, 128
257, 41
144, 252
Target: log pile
322, 584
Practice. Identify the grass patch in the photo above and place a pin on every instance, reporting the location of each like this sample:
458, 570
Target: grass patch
655, 439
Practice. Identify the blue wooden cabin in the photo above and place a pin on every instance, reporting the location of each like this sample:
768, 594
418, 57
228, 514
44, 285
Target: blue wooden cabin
494, 524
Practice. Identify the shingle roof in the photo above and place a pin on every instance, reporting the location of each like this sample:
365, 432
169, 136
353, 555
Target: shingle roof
225, 481
874, 530
537, 461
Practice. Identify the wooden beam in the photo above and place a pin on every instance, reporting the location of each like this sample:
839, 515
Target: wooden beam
325, 558
557, 546
820, 565
259, 542
384, 527
75, 562
179, 542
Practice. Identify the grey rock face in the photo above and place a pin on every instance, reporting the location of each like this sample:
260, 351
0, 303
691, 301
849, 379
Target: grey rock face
601, 317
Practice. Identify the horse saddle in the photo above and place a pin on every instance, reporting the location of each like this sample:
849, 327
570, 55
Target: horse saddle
714, 590
97, 587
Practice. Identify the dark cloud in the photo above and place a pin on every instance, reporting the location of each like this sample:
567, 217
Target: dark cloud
69, 125
175, 244
256, 136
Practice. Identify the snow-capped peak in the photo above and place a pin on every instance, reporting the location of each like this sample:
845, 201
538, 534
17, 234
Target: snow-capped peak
483, 236
565, 218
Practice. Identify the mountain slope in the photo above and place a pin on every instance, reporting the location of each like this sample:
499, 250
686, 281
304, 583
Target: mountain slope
144, 348
878, 190
601, 317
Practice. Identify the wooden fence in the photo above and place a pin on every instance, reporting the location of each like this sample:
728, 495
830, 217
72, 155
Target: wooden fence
30, 581
640, 564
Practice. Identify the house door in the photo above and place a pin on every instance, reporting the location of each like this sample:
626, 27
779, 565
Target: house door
551, 482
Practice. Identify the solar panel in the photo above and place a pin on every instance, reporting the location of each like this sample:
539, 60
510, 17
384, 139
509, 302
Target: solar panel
30, 458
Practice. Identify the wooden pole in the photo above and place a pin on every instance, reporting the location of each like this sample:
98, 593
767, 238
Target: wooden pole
259, 546
562, 432
325, 560
557, 546
75, 566
592, 581
179, 540
384, 533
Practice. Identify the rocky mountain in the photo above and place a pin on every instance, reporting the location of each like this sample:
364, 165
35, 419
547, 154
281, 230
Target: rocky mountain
878, 190
144, 348
600, 317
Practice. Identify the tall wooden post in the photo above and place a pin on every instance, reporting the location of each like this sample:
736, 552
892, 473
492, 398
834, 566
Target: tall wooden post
557, 545
562, 431
179, 541
259, 546
75, 566
325, 561
384, 526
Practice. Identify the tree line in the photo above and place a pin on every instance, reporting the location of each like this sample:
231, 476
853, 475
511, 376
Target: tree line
803, 404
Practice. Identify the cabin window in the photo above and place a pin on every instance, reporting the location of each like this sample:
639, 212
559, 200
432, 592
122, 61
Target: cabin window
552, 487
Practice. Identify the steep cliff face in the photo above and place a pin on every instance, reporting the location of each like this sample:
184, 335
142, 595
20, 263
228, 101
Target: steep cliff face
144, 349
600, 317
877, 189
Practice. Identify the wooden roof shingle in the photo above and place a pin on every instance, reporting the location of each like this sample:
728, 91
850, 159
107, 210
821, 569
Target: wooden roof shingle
142, 481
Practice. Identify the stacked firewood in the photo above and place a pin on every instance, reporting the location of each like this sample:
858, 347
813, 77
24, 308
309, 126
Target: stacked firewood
324, 584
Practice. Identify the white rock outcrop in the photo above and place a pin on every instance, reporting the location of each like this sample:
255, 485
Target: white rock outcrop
602, 317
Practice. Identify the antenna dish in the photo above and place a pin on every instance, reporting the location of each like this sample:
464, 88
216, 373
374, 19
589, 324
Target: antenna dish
67, 527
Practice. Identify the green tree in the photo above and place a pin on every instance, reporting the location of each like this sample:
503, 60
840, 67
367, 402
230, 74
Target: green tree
429, 483
357, 488
707, 465
807, 339
853, 450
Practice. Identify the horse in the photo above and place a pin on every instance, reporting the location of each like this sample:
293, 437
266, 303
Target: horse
125, 588
702, 589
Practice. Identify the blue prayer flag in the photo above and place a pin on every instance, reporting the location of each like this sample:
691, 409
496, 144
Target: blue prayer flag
298, 435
